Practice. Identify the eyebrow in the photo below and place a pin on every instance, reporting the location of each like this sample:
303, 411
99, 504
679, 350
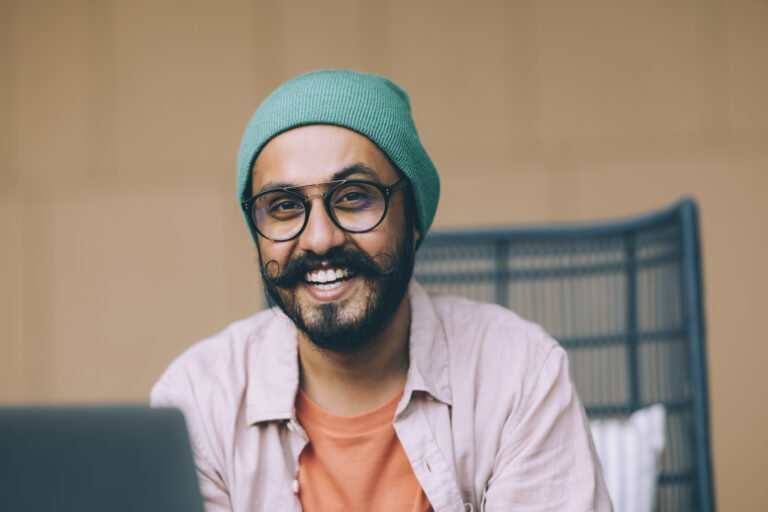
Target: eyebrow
357, 168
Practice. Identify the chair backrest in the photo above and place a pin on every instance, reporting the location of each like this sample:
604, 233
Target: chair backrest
624, 298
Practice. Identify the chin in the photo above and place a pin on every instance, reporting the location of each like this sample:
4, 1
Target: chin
344, 326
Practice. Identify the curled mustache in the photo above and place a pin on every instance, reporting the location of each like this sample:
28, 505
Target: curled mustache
356, 261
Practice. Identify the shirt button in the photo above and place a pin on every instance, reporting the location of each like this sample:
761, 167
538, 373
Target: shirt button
295, 486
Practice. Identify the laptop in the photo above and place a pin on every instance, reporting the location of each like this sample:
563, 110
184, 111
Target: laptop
96, 458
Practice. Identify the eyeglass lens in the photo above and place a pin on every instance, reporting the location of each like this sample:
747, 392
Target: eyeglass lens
355, 206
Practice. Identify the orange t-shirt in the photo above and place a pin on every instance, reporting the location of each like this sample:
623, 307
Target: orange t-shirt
355, 462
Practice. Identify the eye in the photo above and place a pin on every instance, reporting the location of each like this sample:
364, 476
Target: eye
351, 196
284, 207
355, 196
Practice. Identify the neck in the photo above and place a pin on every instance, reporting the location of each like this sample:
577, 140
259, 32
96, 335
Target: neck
355, 383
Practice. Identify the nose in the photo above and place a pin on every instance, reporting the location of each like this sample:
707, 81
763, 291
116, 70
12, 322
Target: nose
320, 234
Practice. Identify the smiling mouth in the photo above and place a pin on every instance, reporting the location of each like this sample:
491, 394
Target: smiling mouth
328, 279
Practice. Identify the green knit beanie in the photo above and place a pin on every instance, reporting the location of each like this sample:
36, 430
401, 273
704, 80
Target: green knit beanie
368, 104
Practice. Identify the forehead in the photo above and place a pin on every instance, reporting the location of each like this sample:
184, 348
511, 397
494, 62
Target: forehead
317, 154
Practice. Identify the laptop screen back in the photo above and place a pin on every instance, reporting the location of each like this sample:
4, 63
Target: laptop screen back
87, 459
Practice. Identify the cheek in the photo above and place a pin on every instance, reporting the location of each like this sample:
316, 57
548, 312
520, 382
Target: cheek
393, 226
383, 239
373, 242
271, 251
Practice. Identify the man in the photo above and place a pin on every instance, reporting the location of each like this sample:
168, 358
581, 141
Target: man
361, 391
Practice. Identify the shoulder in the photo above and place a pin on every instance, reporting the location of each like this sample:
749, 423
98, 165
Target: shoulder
212, 381
206, 356
478, 327
494, 355
217, 367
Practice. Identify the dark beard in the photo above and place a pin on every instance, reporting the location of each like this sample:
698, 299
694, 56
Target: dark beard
324, 325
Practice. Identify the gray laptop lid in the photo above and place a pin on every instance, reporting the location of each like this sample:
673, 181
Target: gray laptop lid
88, 459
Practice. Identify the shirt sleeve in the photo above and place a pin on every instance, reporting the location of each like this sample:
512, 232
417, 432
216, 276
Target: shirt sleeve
547, 461
212, 487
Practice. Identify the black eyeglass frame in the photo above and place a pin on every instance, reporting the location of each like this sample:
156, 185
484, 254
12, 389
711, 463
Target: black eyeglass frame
386, 191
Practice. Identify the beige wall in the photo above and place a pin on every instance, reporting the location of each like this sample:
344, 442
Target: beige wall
119, 124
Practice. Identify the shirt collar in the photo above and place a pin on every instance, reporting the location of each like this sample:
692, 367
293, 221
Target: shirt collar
273, 371
274, 368
428, 371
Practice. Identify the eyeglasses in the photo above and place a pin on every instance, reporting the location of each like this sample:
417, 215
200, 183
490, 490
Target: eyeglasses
355, 206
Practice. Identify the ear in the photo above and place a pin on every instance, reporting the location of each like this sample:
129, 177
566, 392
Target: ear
416, 235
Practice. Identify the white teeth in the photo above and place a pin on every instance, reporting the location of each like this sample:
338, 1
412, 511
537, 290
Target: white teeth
326, 276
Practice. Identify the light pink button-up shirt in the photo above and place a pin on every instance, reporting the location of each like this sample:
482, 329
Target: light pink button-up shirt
489, 418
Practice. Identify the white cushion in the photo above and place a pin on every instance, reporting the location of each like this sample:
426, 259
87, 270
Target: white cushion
629, 454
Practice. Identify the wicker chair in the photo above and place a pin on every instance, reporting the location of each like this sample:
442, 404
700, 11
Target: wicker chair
625, 300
